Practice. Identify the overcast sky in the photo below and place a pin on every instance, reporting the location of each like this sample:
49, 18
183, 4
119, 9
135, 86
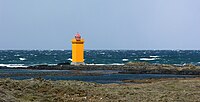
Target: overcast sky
104, 24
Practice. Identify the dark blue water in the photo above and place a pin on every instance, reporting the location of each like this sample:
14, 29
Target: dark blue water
106, 78
115, 78
34, 57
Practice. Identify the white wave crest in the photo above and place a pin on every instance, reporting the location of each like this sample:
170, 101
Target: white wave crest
13, 65
154, 56
116, 64
22, 59
105, 64
69, 59
124, 60
147, 59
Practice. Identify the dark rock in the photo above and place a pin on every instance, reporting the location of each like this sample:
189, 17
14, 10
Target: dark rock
66, 63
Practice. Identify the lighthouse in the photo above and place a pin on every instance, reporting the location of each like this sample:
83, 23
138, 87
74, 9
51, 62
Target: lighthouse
77, 50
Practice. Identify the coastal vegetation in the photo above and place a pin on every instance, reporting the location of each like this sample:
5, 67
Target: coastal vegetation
40, 90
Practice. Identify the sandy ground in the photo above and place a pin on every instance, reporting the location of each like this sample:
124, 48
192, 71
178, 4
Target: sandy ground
148, 90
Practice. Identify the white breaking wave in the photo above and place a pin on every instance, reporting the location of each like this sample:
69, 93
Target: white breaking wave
12, 65
22, 59
147, 59
69, 59
154, 56
105, 64
116, 64
51, 64
124, 60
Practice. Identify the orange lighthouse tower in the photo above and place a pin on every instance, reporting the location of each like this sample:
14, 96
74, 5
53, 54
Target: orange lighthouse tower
77, 50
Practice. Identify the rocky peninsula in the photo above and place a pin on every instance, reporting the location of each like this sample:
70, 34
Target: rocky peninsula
129, 68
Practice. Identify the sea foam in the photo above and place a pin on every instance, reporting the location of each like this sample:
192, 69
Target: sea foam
124, 60
22, 59
69, 59
147, 59
12, 65
154, 56
105, 64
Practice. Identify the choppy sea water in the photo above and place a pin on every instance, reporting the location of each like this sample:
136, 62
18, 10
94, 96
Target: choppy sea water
15, 58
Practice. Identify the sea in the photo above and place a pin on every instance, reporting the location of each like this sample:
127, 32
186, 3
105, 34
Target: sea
24, 58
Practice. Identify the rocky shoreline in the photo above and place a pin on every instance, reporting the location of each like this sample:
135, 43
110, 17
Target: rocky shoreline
129, 68
145, 90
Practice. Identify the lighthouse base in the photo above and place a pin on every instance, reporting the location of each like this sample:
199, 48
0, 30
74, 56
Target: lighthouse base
77, 63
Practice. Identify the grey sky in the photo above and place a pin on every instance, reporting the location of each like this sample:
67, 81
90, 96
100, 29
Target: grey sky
105, 24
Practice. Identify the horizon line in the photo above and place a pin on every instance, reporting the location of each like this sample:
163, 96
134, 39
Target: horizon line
96, 49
